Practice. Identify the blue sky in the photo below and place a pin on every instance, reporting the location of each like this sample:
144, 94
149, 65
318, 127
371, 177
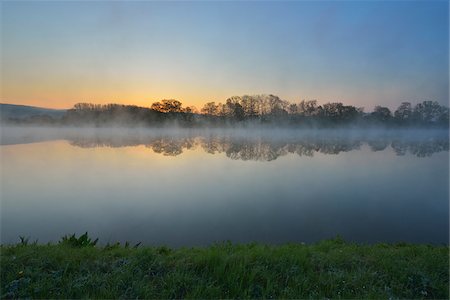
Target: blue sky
364, 53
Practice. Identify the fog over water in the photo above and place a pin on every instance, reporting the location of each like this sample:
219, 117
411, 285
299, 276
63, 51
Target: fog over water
247, 142
185, 187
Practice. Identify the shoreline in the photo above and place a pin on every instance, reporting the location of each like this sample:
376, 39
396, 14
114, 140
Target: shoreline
77, 268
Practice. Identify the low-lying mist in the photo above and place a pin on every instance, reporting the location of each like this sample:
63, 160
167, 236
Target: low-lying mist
244, 144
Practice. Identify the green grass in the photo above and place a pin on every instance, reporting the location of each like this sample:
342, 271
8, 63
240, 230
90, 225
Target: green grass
329, 269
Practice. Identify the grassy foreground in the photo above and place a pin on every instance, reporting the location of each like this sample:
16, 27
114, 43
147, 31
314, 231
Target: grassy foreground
331, 269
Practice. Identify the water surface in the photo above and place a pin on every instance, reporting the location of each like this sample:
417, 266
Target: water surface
186, 188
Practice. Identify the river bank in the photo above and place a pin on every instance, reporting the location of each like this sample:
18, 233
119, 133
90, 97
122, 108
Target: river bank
330, 269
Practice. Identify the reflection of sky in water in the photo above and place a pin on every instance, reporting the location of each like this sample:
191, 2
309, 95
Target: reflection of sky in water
133, 193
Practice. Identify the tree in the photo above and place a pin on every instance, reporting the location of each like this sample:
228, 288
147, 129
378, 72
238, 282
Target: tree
429, 112
167, 106
339, 112
292, 109
238, 112
277, 106
157, 106
404, 113
234, 108
332, 110
87, 107
250, 105
210, 108
191, 110
308, 108
381, 114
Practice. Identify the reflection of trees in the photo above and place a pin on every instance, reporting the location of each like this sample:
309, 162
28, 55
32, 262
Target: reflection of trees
378, 145
400, 147
269, 149
337, 146
264, 148
171, 146
256, 150
420, 148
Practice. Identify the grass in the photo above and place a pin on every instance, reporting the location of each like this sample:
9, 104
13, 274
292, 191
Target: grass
77, 268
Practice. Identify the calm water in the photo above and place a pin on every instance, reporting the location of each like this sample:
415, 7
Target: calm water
184, 188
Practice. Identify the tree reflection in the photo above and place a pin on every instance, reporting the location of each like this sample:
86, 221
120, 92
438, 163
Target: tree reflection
171, 146
420, 148
265, 148
378, 145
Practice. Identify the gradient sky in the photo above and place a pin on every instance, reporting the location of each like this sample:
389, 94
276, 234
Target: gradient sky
55, 54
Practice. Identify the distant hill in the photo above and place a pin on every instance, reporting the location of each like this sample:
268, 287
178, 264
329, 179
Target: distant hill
13, 111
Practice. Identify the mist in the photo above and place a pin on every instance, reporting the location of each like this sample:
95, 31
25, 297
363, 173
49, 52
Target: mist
259, 144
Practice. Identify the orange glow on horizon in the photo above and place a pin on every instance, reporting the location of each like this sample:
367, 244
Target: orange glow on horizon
144, 100
62, 94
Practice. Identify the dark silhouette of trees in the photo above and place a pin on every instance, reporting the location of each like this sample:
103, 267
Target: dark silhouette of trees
167, 106
426, 113
429, 112
339, 113
381, 114
250, 105
404, 113
249, 110
210, 108
262, 109
191, 110
87, 114
308, 108
234, 109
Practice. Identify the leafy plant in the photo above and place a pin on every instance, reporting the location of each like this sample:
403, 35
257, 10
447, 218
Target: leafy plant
82, 241
24, 240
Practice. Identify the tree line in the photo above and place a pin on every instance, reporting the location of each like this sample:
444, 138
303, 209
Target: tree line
254, 110
270, 107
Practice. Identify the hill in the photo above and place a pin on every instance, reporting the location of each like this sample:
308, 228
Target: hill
13, 111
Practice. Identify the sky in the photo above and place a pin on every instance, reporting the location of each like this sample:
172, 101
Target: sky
363, 53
